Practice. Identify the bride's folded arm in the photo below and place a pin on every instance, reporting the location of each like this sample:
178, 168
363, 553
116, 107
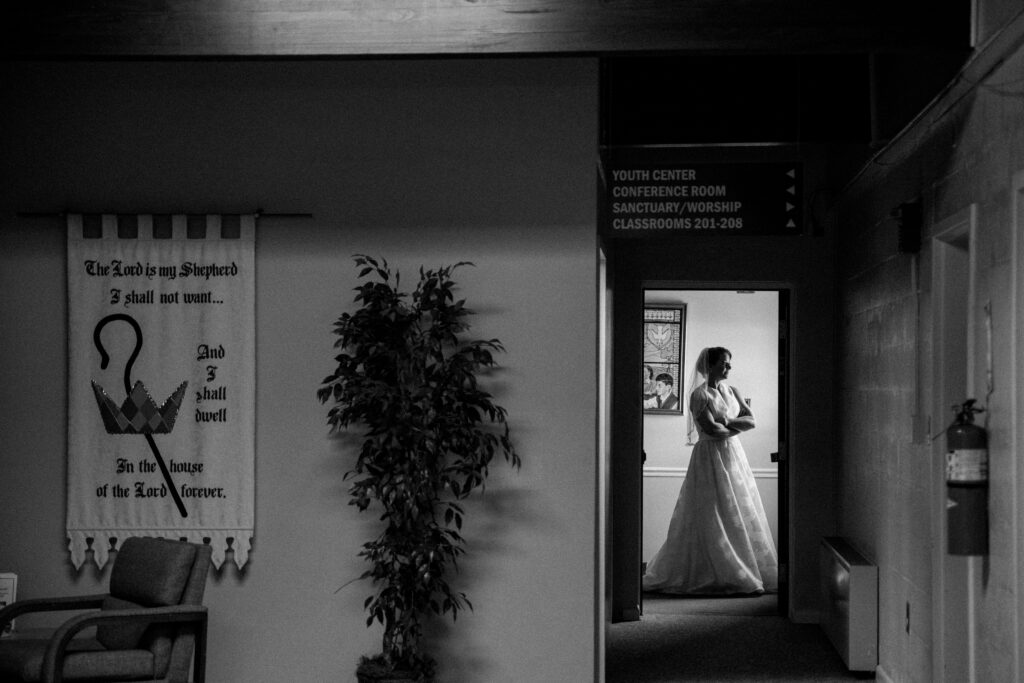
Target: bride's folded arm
745, 420
710, 426
743, 423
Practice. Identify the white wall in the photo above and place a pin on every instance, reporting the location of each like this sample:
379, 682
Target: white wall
423, 162
747, 324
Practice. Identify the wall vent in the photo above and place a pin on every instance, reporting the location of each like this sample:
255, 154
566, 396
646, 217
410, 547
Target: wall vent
849, 585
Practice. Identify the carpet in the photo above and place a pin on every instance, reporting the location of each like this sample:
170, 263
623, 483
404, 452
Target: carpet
742, 639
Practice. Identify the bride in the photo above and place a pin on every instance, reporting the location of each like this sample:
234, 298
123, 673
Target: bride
718, 540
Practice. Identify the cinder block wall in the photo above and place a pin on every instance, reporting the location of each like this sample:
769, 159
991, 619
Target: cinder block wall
888, 477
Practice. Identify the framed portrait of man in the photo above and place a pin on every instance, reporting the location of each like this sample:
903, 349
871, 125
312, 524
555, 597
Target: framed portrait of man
664, 336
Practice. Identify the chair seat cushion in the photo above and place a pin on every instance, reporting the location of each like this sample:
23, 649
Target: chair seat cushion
21, 659
131, 635
120, 635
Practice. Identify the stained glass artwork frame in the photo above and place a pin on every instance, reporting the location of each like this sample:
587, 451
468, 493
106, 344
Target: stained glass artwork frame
663, 343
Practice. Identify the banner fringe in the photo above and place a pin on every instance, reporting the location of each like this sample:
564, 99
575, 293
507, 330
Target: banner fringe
102, 542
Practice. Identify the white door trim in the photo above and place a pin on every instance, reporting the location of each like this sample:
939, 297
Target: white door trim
1016, 398
954, 578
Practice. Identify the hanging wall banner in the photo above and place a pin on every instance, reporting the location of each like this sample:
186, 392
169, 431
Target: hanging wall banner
161, 381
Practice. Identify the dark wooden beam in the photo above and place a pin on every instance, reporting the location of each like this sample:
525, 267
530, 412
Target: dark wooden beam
319, 28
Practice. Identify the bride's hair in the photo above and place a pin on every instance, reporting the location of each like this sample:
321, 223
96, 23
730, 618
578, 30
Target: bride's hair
715, 354
708, 357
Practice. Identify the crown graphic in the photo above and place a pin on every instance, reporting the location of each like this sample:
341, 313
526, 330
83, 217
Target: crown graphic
139, 414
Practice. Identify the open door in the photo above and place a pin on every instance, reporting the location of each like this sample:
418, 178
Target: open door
626, 470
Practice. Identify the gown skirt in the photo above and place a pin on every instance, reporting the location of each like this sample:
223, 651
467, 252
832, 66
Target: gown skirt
719, 541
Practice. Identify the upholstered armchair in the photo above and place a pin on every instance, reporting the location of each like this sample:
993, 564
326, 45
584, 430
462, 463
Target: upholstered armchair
147, 627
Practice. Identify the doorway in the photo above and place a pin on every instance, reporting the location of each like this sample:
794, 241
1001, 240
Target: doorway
747, 322
626, 468
641, 495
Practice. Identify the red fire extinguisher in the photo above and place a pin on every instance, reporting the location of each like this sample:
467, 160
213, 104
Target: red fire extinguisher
967, 483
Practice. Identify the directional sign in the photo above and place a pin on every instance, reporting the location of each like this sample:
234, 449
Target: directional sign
729, 198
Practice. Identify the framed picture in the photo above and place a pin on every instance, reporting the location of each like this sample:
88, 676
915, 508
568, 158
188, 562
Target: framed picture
664, 337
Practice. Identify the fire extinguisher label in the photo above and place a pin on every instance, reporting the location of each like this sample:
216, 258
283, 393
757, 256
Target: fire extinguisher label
967, 466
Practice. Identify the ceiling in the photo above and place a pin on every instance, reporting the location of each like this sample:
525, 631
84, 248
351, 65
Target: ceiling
846, 98
673, 71
349, 28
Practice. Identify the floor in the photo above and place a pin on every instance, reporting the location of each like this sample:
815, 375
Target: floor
720, 639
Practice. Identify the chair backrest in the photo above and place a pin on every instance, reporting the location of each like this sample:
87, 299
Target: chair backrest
156, 572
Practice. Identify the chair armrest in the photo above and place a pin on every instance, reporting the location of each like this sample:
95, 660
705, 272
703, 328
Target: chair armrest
71, 602
53, 660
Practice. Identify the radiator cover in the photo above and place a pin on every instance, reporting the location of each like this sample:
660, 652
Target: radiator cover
849, 585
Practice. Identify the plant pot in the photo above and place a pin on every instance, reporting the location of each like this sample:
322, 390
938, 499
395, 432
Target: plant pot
372, 670
391, 677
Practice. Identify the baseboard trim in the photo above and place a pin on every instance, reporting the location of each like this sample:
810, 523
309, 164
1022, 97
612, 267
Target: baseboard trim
680, 472
881, 675
805, 616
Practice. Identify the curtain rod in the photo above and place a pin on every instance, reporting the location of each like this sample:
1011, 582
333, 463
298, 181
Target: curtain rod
258, 213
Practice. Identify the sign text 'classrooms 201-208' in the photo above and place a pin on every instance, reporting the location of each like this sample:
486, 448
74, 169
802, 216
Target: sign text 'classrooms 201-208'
752, 198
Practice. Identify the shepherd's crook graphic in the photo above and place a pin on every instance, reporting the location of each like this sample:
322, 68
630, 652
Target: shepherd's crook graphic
138, 404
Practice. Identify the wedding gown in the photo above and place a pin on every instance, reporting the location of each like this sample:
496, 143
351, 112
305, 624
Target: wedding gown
719, 541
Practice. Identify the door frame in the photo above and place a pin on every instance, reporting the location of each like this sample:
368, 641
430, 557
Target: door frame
626, 471
1017, 389
954, 579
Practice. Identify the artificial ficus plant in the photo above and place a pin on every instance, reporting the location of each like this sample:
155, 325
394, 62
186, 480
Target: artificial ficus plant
406, 375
